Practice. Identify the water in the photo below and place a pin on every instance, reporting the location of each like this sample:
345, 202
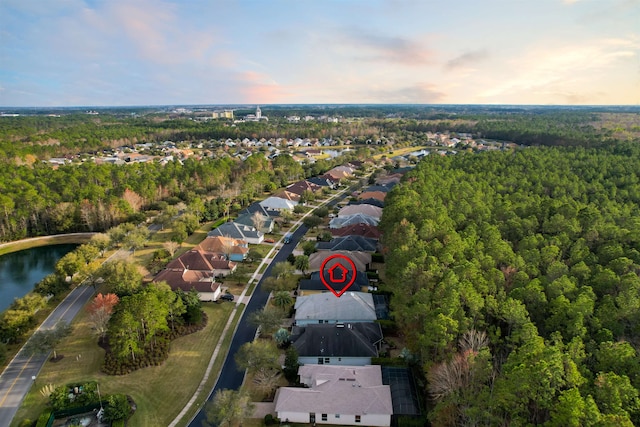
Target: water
20, 271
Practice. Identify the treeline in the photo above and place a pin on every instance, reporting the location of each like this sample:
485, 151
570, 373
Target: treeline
40, 200
515, 278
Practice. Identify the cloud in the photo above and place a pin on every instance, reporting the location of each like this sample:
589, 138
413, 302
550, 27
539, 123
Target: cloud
566, 72
418, 93
466, 59
384, 48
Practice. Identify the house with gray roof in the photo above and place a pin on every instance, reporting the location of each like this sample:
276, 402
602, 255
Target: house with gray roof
315, 285
278, 204
248, 219
358, 218
338, 395
351, 307
238, 231
349, 243
352, 344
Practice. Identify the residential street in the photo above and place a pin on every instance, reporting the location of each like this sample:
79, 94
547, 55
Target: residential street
231, 377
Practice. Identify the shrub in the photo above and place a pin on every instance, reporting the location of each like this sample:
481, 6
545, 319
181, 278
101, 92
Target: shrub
268, 419
43, 419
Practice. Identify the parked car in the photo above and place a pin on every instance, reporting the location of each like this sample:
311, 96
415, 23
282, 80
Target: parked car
227, 297
269, 241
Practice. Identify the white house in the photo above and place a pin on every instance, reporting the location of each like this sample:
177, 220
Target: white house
339, 395
351, 307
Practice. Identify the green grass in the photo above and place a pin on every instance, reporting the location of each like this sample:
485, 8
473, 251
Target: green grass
157, 403
217, 367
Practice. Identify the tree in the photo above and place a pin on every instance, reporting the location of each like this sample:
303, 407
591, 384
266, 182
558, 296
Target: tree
258, 220
47, 340
282, 269
179, 234
171, 247
229, 407
291, 364
100, 311
308, 247
302, 263
312, 221
136, 239
69, 265
117, 407
281, 337
282, 299
267, 320
101, 241
257, 356
122, 278
322, 211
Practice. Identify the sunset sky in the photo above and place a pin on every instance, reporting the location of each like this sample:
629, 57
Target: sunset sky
153, 52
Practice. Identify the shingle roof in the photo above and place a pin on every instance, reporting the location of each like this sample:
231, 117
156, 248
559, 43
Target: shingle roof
236, 231
350, 306
247, 219
373, 202
277, 203
359, 259
378, 195
349, 243
222, 245
365, 230
364, 209
301, 186
338, 340
359, 218
353, 390
315, 283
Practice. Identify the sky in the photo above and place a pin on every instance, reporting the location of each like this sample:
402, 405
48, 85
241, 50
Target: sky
215, 52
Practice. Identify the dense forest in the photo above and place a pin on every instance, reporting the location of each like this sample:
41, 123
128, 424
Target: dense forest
40, 200
515, 280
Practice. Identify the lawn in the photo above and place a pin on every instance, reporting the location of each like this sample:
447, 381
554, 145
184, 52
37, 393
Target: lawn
157, 403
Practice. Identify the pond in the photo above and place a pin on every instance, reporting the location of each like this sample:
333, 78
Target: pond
21, 271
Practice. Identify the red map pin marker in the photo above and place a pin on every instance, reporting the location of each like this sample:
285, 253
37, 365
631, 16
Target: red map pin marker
334, 278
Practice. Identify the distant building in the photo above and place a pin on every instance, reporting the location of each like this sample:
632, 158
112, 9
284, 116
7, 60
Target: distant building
226, 114
256, 117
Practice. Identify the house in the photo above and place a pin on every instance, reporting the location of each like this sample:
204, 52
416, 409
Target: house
352, 344
277, 204
238, 231
358, 218
349, 243
186, 280
383, 188
351, 307
323, 181
364, 230
361, 260
196, 269
250, 219
372, 202
315, 285
301, 186
378, 195
339, 395
288, 195
234, 249
370, 210
257, 207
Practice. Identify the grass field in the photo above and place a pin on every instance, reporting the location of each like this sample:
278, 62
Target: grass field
157, 402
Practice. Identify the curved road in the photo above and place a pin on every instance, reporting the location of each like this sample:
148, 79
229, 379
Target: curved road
16, 380
230, 376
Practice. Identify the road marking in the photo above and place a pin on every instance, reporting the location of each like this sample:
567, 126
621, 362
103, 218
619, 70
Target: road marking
28, 361
15, 381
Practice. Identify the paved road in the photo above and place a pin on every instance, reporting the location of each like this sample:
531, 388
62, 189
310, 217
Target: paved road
16, 380
231, 377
